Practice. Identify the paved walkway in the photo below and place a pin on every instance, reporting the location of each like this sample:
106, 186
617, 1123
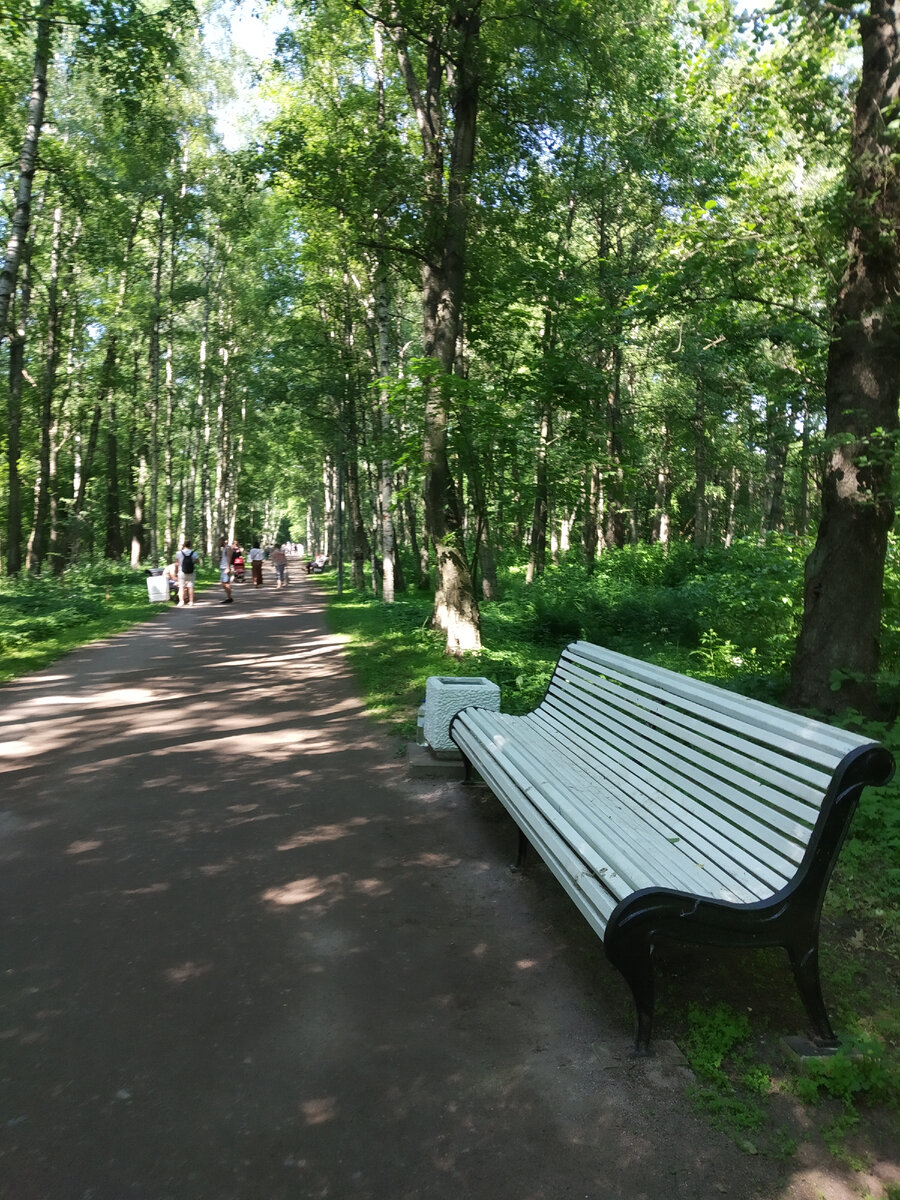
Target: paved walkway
244, 957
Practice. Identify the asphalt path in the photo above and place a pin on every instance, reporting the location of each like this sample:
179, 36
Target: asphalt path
244, 956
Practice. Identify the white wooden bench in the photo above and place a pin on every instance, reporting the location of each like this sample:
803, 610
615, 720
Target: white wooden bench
673, 809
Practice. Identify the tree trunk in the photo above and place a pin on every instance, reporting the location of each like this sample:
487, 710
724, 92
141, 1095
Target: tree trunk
140, 497
21, 218
701, 505
590, 526
778, 437
154, 364
537, 558
803, 501
443, 275
114, 546
14, 420
841, 628
37, 543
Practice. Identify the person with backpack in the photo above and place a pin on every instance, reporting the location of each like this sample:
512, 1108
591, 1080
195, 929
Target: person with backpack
225, 570
187, 561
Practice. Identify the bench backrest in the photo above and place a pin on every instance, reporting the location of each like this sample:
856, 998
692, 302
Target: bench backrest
757, 777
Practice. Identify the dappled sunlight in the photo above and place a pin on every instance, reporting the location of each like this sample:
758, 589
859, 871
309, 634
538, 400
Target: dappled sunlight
18, 749
317, 1112
331, 889
82, 847
323, 833
244, 661
117, 698
301, 891
187, 972
433, 859
153, 889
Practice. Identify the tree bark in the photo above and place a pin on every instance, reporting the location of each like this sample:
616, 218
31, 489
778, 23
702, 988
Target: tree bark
37, 543
841, 627
14, 420
701, 504
451, 55
21, 218
154, 364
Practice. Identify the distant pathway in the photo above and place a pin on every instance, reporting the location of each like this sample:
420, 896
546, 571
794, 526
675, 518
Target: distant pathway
242, 957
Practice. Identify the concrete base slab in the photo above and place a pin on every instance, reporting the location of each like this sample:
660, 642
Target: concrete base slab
424, 764
802, 1050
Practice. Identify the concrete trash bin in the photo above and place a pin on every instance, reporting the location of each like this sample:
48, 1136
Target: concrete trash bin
157, 587
445, 696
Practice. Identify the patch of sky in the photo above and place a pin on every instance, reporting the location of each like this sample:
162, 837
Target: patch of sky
242, 36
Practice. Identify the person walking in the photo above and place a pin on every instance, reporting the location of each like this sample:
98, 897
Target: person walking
256, 562
279, 561
225, 570
186, 561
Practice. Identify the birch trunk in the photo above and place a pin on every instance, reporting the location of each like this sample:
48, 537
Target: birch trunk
21, 217
38, 541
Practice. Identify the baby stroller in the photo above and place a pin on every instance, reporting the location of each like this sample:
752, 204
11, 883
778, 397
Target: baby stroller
237, 566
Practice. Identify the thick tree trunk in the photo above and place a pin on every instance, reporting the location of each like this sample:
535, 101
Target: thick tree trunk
840, 633
445, 217
21, 218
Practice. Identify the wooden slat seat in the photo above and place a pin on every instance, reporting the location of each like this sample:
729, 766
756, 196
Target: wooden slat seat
672, 809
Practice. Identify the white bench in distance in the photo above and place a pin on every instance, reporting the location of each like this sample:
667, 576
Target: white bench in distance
673, 809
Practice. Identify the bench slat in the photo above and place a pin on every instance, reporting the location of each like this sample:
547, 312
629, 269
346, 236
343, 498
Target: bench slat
748, 758
735, 815
638, 854
640, 851
763, 803
673, 815
821, 744
596, 896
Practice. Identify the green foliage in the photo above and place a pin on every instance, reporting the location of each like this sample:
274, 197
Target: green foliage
730, 1084
728, 615
860, 1069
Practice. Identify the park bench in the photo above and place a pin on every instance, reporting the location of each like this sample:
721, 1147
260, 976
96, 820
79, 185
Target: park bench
671, 809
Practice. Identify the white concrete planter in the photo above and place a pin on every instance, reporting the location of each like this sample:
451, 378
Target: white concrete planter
445, 696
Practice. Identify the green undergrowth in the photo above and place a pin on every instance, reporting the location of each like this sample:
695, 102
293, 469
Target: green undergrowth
43, 618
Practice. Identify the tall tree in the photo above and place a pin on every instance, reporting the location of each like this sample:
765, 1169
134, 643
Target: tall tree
844, 574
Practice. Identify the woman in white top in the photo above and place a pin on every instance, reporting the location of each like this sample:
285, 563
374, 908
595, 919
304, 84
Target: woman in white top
225, 570
256, 562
